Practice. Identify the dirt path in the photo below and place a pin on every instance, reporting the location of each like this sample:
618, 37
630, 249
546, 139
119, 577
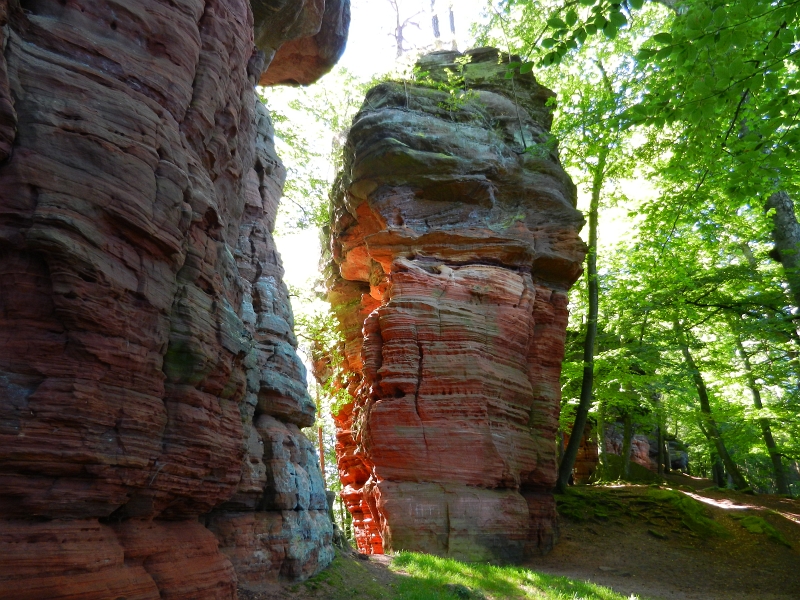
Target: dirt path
637, 545
623, 553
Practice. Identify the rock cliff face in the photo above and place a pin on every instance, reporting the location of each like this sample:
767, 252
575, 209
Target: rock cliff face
150, 394
454, 241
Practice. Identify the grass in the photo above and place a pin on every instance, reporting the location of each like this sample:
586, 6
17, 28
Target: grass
345, 579
414, 576
431, 577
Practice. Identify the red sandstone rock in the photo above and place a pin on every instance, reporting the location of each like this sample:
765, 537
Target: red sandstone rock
144, 325
453, 250
588, 455
306, 59
640, 446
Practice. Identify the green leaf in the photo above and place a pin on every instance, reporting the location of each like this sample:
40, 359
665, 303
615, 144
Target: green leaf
786, 36
610, 30
587, 2
551, 59
720, 16
526, 68
548, 43
664, 52
662, 38
636, 4
556, 23
617, 19
572, 17
591, 28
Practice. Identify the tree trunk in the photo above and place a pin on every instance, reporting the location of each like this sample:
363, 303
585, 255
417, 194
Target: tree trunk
708, 424
587, 385
766, 431
601, 437
627, 438
718, 473
660, 442
786, 235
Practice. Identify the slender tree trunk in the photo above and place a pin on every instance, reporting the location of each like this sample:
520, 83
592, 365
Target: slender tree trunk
660, 442
766, 431
708, 424
587, 385
786, 235
627, 438
718, 473
601, 437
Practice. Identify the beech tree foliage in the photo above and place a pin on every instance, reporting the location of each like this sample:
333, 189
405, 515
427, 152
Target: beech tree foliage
697, 313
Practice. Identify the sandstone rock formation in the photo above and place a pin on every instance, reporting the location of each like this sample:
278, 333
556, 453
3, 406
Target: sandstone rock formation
150, 393
641, 451
588, 457
454, 241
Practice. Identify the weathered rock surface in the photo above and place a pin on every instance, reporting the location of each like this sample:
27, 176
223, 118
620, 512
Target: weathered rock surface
147, 360
641, 452
318, 30
454, 241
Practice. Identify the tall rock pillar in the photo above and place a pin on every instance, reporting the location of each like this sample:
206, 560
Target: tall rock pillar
150, 394
454, 241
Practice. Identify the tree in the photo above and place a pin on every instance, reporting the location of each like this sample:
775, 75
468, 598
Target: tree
595, 89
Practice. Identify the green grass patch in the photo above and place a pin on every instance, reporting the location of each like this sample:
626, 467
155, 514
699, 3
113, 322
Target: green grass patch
757, 525
434, 578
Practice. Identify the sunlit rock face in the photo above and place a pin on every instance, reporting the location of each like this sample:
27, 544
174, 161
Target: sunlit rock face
453, 244
150, 394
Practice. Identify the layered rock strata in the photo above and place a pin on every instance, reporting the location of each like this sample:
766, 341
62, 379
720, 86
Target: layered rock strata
454, 240
150, 394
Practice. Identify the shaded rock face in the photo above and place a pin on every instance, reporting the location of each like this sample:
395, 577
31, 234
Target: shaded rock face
318, 30
150, 394
588, 457
452, 251
642, 451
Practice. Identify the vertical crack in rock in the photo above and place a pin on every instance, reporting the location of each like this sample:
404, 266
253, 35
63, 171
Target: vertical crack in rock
151, 397
477, 241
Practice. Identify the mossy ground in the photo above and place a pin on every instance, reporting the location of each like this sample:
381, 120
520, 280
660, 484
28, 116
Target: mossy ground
679, 539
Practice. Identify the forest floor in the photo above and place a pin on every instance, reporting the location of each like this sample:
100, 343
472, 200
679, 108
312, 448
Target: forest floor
682, 540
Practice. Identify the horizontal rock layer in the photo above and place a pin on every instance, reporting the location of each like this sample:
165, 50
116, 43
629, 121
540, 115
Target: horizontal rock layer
454, 241
148, 373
